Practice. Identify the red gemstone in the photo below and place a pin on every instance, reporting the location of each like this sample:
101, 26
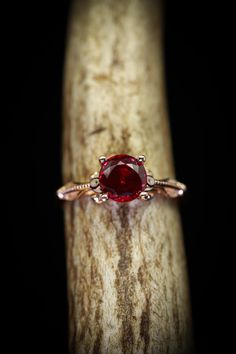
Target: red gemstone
123, 177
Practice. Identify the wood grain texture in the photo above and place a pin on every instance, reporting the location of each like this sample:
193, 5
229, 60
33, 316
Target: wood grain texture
127, 283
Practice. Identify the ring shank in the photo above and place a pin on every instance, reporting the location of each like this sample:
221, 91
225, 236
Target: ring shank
74, 190
167, 187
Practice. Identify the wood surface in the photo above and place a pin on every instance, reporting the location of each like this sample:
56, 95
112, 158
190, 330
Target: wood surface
127, 283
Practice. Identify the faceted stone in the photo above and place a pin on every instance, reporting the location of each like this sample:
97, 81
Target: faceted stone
123, 177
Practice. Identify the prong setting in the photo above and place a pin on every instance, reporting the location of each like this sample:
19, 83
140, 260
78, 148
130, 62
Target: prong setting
141, 158
100, 198
145, 196
121, 178
102, 159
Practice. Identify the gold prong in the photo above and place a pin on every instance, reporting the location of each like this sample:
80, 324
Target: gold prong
104, 197
145, 196
100, 198
102, 159
141, 158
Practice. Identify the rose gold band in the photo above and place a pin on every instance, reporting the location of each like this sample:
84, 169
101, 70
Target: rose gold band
121, 178
167, 187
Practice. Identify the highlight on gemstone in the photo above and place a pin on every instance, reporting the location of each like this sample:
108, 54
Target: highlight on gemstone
123, 177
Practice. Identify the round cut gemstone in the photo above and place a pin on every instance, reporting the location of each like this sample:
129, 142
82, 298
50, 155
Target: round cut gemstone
123, 177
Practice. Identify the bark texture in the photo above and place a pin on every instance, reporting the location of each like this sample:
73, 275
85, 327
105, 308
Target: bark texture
127, 283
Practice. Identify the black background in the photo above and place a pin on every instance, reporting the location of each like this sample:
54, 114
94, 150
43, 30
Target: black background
196, 54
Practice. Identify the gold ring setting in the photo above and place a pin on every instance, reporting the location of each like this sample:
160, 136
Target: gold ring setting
121, 178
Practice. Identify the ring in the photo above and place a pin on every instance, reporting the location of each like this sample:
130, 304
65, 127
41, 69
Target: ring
121, 178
